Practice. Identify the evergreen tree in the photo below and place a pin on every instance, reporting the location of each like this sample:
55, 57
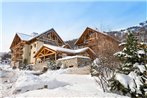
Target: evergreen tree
130, 78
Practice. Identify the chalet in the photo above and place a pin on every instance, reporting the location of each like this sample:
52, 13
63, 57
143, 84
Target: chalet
35, 49
101, 43
24, 47
57, 53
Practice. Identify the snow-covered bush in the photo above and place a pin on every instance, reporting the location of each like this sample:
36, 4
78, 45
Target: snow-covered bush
103, 73
130, 78
25, 67
52, 65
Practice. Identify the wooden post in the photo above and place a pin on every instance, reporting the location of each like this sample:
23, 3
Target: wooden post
35, 60
55, 56
44, 59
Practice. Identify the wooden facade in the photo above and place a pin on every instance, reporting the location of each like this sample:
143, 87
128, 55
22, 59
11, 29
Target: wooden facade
100, 43
49, 37
24, 48
17, 49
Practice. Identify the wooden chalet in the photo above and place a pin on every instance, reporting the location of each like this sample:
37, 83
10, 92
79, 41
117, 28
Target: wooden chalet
36, 48
50, 52
24, 46
99, 42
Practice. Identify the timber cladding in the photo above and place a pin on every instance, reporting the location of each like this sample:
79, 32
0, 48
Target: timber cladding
100, 43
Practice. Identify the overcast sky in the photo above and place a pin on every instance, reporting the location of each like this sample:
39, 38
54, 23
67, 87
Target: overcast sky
69, 19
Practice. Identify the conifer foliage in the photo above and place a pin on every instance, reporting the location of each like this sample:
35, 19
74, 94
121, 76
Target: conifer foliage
130, 78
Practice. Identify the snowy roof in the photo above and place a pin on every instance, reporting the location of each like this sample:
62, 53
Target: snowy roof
25, 37
71, 57
34, 35
57, 48
50, 30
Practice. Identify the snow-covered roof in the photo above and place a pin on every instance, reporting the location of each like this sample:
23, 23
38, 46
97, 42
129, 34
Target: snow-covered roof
57, 48
25, 37
71, 57
34, 35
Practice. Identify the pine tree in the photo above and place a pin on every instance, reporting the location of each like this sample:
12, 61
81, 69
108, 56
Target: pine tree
132, 70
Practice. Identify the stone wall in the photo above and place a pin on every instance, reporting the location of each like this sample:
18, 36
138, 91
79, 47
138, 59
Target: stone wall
75, 62
67, 63
83, 61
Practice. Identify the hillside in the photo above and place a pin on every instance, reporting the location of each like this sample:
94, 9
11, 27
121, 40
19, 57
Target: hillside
139, 31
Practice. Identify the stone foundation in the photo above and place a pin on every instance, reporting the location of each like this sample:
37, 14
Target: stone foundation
74, 62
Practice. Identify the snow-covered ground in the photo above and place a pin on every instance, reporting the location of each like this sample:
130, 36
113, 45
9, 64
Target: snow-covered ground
57, 83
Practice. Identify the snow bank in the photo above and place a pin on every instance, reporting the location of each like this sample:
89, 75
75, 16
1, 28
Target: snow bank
66, 93
56, 84
5, 67
28, 81
78, 86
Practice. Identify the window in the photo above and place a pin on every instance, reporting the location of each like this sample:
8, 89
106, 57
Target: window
49, 36
34, 45
70, 66
31, 46
91, 34
34, 52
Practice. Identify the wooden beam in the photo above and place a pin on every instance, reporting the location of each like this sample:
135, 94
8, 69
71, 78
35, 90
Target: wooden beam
44, 58
45, 55
42, 51
49, 49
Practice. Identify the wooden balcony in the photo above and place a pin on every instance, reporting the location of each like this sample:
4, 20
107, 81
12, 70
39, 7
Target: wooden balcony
19, 58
